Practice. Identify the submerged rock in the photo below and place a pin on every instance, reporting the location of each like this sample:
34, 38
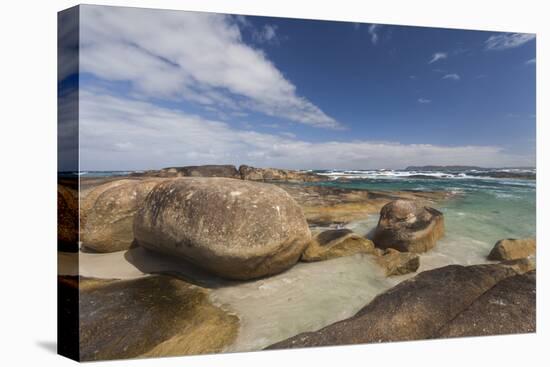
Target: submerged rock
398, 263
408, 227
150, 317
67, 219
233, 228
275, 174
417, 308
336, 243
512, 249
107, 222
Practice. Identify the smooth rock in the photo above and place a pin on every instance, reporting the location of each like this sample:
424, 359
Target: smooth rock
512, 249
67, 219
507, 308
107, 223
414, 309
150, 317
233, 228
408, 227
398, 263
336, 243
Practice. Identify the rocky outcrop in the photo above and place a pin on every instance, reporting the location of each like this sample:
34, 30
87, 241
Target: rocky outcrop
150, 317
326, 206
513, 249
435, 303
108, 216
233, 228
507, 308
226, 170
67, 219
398, 263
521, 266
336, 243
274, 174
208, 170
408, 227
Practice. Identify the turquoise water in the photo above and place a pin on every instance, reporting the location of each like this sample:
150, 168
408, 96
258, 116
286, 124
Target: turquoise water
483, 211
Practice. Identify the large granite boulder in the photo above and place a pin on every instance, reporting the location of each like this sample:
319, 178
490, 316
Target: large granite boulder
336, 243
236, 229
513, 249
67, 219
507, 308
408, 227
107, 222
149, 317
89, 195
398, 263
275, 174
417, 308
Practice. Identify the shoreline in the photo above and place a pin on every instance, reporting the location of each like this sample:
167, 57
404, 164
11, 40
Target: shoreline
280, 306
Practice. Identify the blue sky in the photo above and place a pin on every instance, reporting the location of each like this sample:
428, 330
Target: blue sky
197, 88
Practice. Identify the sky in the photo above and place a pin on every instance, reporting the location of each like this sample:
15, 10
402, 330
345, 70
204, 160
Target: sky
162, 88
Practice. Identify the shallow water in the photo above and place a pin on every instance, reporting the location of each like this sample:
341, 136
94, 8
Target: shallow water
310, 296
307, 297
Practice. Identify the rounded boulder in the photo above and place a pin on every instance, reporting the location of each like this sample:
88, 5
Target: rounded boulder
233, 228
406, 226
107, 222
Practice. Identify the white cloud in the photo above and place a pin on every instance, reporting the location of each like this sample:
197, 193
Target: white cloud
118, 133
508, 40
451, 76
268, 34
424, 100
531, 62
438, 56
373, 34
199, 57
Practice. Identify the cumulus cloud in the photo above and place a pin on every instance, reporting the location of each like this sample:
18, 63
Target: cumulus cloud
199, 57
373, 33
531, 62
451, 76
437, 56
508, 40
424, 100
119, 133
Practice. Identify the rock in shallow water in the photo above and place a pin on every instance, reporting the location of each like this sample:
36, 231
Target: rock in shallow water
408, 227
236, 229
513, 249
336, 243
398, 263
421, 307
108, 214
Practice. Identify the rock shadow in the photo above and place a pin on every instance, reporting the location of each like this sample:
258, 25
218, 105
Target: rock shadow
154, 263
